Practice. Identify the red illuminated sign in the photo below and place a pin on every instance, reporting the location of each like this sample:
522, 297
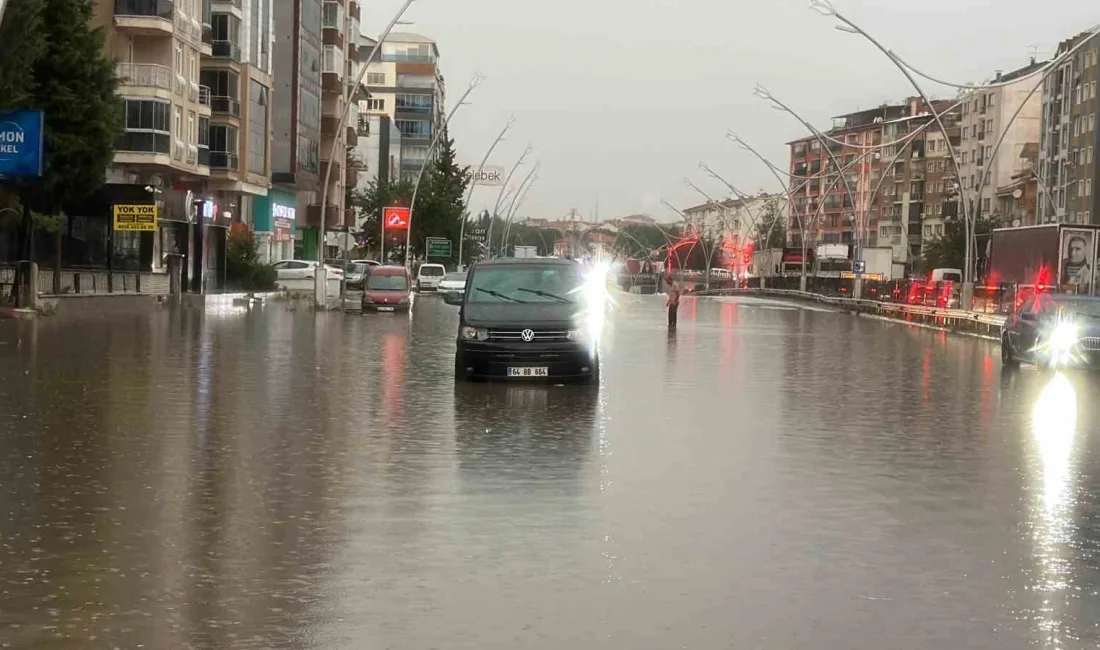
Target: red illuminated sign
395, 218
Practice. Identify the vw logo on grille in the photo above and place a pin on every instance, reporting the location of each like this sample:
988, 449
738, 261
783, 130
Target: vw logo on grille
527, 335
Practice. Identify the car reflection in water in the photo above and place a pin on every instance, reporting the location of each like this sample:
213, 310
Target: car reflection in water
524, 437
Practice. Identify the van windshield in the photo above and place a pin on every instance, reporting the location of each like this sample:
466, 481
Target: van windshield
379, 282
431, 271
526, 284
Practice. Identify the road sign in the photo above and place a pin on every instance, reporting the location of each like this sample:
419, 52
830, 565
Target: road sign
22, 148
135, 218
859, 266
438, 247
395, 218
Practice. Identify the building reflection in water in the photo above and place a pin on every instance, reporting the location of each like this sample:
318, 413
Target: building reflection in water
1054, 429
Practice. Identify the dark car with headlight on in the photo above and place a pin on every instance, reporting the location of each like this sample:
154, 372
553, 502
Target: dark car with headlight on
1053, 331
524, 319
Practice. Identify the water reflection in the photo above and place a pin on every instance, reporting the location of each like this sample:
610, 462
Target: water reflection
1054, 428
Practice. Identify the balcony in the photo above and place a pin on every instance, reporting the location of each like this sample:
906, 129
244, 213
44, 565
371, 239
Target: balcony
227, 50
224, 160
144, 75
328, 125
144, 142
145, 17
225, 106
204, 156
333, 217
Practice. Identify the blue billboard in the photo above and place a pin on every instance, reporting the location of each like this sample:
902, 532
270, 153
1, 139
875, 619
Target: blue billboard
21, 143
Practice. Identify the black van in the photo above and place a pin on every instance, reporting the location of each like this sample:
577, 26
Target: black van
525, 319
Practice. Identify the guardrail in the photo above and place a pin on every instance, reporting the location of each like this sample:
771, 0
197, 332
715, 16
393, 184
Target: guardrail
957, 320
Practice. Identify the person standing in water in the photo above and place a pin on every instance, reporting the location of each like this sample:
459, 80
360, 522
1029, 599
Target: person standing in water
673, 303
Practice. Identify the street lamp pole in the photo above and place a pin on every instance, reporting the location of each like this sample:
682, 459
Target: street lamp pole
500, 196
474, 83
518, 198
320, 275
473, 182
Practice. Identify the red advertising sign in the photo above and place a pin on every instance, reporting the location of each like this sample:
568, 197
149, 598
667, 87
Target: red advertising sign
395, 218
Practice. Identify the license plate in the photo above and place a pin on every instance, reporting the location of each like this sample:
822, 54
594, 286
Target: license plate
385, 309
542, 371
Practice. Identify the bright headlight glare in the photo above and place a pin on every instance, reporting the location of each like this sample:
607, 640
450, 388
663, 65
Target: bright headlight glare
1063, 338
575, 335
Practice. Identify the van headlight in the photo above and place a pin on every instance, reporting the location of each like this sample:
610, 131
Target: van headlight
576, 335
474, 333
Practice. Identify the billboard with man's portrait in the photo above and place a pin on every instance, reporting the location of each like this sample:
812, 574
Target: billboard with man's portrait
1077, 261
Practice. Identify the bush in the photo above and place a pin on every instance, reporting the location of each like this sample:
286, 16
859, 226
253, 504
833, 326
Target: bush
264, 278
243, 270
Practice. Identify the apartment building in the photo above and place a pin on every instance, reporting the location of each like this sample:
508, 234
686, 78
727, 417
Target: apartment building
238, 73
406, 87
734, 219
1068, 173
822, 211
940, 186
986, 115
296, 121
163, 154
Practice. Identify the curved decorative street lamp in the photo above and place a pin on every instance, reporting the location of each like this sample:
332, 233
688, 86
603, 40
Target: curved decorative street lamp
322, 275
496, 207
473, 181
474, 83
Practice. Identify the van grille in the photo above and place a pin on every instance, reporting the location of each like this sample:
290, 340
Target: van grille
517, 335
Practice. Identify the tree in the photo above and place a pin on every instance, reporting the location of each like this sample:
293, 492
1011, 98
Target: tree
76, 88
243, 269
369, 203
765, 235
441, 199
24, 43
948, 251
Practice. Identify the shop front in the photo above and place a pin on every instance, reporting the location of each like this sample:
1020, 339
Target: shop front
273, 219
209, 244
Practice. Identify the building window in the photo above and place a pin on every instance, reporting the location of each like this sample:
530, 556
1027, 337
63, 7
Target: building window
408, 52
332, 60
224, 146
257, 128
414, 128
191, 127
414, 103
332, 16
376, 105
147, 128
376, 79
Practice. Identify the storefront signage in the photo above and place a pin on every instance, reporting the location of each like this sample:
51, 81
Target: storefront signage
22, 147
395, 218
135, 218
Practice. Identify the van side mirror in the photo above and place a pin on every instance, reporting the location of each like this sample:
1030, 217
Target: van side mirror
453, 297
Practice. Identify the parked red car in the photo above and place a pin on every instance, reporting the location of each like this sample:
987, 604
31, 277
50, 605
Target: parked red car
387, 288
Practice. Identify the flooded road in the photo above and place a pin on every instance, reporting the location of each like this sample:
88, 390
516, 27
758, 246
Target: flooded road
767, 477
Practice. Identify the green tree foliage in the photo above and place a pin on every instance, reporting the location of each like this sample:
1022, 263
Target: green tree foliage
948, 251
638, 240
438, 210
765, 235
76, 87
23, 44
243, 270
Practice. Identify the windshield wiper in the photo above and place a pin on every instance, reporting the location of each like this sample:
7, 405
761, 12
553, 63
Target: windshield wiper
544, 294
497, 294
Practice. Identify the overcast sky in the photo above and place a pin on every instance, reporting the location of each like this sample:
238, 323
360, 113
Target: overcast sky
621, 99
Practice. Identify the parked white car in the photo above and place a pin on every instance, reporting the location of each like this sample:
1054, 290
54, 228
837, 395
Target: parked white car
304, 270
429, 276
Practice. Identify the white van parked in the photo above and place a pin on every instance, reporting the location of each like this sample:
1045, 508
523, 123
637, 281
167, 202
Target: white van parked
429, 276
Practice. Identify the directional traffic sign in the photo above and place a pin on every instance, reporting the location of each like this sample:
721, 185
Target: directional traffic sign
438, 247
395, 218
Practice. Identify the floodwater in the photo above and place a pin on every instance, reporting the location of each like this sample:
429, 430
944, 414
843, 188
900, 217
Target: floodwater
767, 477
